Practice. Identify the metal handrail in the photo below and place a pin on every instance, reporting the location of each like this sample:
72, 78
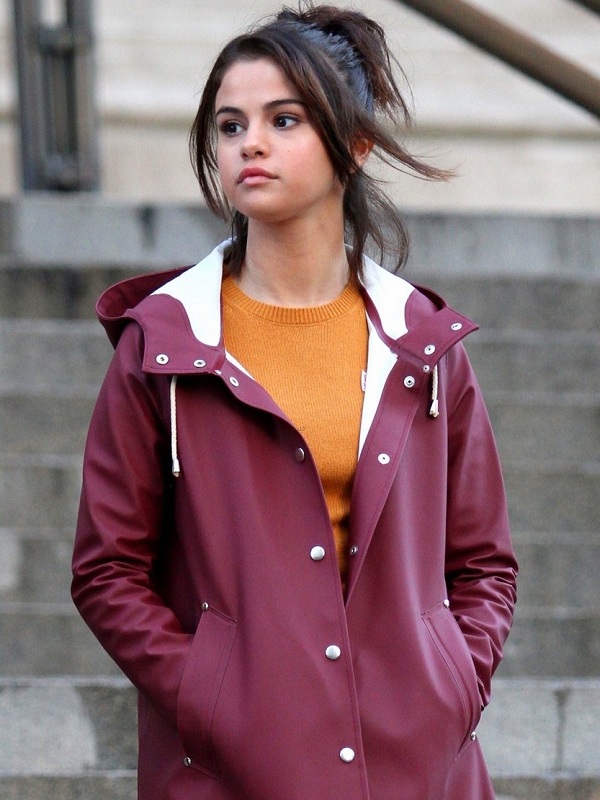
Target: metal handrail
516, 49
593, 5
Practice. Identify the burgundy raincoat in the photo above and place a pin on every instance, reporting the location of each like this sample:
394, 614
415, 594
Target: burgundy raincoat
218, 591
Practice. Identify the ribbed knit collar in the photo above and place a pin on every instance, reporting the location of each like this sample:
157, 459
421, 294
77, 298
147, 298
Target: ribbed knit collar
280, 315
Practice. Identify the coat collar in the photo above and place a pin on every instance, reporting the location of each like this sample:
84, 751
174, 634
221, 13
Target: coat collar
180, 313
199, 290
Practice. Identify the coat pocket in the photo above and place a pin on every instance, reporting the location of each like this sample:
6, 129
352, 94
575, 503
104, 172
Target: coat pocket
453, 650
200, 689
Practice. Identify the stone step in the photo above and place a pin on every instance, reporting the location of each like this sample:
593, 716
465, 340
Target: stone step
35, 567
45, 421
117, 786
86, 231
51, 639
58, 230
39, 491
52, 353
96, 719
43, 491
553, 643
100, 785
68, 293
72, 354
553, 496
546, 427
494, 301
538, 734
558, 569
562, 786
546, 728
535, 361
518, 302
492, 244
537, 425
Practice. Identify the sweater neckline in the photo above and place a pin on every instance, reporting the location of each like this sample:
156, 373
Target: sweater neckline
284, 315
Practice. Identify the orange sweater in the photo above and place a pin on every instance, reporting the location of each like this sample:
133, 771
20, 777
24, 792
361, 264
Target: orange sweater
311, 361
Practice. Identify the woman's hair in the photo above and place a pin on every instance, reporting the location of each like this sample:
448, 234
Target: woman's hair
340, 64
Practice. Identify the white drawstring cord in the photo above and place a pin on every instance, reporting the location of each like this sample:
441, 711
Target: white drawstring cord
175, 466
434, 409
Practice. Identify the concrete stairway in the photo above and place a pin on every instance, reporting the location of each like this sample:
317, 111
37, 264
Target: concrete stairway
67, 716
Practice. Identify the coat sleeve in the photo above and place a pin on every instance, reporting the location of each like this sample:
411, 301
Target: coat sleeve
480, 563
121, 515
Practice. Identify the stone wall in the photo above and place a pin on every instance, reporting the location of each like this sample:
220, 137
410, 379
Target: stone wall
515, 145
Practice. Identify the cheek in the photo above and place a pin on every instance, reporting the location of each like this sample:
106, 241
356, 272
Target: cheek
225, 170
221, 161
322, 161
312, 162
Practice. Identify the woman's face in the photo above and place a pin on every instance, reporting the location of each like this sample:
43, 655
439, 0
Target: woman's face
272, 163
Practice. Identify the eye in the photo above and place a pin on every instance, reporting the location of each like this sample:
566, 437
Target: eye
283, 121
230, 128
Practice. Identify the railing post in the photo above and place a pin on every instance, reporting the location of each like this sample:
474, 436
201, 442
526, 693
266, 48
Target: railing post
58, 119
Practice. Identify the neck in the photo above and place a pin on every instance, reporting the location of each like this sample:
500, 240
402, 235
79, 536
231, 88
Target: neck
294, 268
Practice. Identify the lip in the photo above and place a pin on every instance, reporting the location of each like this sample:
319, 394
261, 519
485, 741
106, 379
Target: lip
254, 175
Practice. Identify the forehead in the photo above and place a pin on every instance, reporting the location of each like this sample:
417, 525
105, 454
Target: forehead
255, 79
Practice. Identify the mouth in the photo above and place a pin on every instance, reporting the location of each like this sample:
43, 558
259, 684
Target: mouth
254, 175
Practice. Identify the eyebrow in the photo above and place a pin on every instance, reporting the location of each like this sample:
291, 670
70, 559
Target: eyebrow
267, 106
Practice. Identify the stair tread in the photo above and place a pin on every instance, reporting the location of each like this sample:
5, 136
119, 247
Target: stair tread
532, 728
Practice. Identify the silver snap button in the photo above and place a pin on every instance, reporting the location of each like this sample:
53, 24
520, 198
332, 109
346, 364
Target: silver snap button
162, 358
205, 606
187, 761
299, 455
456, 326
347, 754
317, 553
199, 362
447, 603
333, 652
353, 550
473, 736
234, 381
429, 350
409, 381
383, 458
217, 372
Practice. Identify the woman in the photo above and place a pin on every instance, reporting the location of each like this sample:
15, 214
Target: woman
293, 535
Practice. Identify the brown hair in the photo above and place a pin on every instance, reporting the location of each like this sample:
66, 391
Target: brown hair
340, 63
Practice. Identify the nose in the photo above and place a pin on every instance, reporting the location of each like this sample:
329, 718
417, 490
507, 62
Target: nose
254, 142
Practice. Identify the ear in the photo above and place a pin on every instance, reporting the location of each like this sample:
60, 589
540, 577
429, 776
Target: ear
361, 151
